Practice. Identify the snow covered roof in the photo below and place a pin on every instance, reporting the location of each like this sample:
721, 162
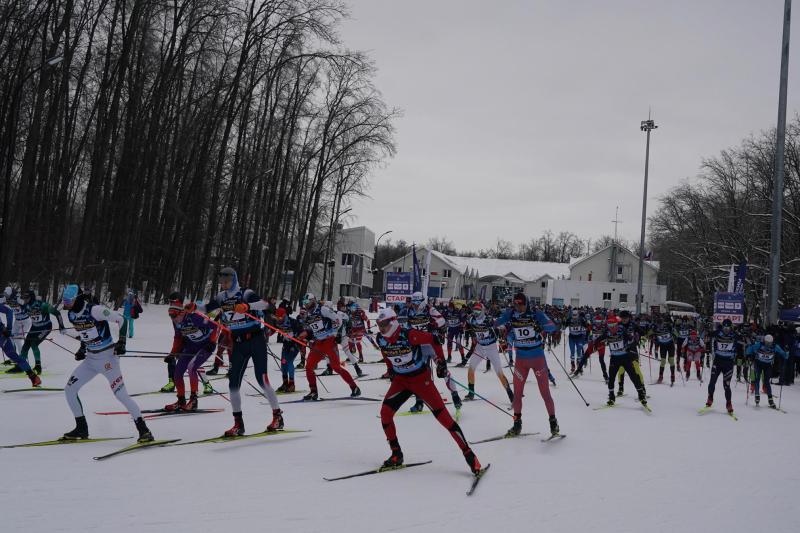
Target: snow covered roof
653, 264
524, 270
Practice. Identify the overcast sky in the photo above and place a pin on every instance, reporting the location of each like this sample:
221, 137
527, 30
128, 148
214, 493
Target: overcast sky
523, 115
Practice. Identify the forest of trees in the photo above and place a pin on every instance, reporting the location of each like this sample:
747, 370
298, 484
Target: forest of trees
148, 143
703, 226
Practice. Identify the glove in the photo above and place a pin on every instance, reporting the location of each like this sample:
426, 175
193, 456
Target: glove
169, 358
80, 355
119, 347
441, 368
4, 331
338, 339
241, 308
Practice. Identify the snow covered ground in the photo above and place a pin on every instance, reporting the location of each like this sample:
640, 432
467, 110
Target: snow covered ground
619, 470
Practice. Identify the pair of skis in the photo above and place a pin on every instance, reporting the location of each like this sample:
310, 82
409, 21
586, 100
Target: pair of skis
646, 408
476, 478
706, 408
558, 436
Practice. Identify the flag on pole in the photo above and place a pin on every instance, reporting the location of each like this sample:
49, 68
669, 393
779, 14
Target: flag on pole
741, 273
426, 279
731, 278
417, 277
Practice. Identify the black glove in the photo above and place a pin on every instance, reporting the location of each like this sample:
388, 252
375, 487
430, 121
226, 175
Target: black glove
169, 358
441, 368
119, 347
338, 339
80, 355
5, 332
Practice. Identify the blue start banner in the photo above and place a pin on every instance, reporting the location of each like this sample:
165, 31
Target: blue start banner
729, 306
399, 285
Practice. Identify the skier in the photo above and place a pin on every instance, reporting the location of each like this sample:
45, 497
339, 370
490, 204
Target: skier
225, 343
10, 351
523, 327
248, 342
454, 319
193, 343
682, 330
622, 342
596, 330
424, 317
577, 326
98, 355
320, 326
411, 374
343, 339
724, 350
359, 324
290, 327
763, 355
693, 350
41, 326
480, 328
666, 348
22, 321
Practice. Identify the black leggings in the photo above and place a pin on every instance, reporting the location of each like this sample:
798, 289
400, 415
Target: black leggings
253, 345
626, 362
724, 367
760, 368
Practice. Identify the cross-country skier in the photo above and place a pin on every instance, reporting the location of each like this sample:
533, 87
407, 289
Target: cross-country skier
524, 327
480, 328
622, 341
249, 342
597, 328
9, 349
22, 320
577, 326
41, 326
411, 374
763, 355
359, 324
724, 350
98, 355
666, 347
693, 350
289, 348
454, 319
193, 343
321, 324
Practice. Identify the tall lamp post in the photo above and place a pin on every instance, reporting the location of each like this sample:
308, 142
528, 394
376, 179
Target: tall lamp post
647, 126
375, 259
777, 192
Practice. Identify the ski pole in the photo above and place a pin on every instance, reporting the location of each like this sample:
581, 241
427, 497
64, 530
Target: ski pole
206, 382
568, 377
482, 397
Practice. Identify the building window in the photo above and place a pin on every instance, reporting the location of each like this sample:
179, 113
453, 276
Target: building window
619, 270
606, 296
623, 298
447, 273
536, 300
544, 284
398, 269
347, 259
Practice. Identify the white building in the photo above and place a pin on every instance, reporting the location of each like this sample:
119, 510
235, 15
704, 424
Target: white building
349, 267
606, 278
469, 277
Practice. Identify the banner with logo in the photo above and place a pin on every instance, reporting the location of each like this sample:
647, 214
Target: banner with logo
729, 306
399, 285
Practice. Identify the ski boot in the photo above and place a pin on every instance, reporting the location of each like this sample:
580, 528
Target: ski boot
688, 375
660, 375
417, 407
207, 388
191, 405
572, 367
729, 407
290, 386
516, 429
8, 362
642, 396
237, 430
213, 372
16, 369
311, 396
80, 432
456, 400
462, 364
327, 372
169, 387
355, 392
471, 394
554, 431
772, 403
758, 399
357, 368
710, 401
36, 381
37, 368
611, 398
277, 421
177, 406
283, 386
144, 433
301, 365
472, 461
396, 459
621, 390
671, 376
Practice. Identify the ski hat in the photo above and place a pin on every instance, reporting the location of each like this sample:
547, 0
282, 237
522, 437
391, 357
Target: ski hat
175, 304
280, 313
386, 314
308, 298
520, 298
417, 298
229, 272
70, 294
768, 340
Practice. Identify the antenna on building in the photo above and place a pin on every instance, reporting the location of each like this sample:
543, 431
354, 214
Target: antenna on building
616, 222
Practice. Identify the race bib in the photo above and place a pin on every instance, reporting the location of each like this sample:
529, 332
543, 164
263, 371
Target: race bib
576, 330
725, 346
402, 359
316, 326
616, 346
665, 337
90, 334
524, 333
484, 335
